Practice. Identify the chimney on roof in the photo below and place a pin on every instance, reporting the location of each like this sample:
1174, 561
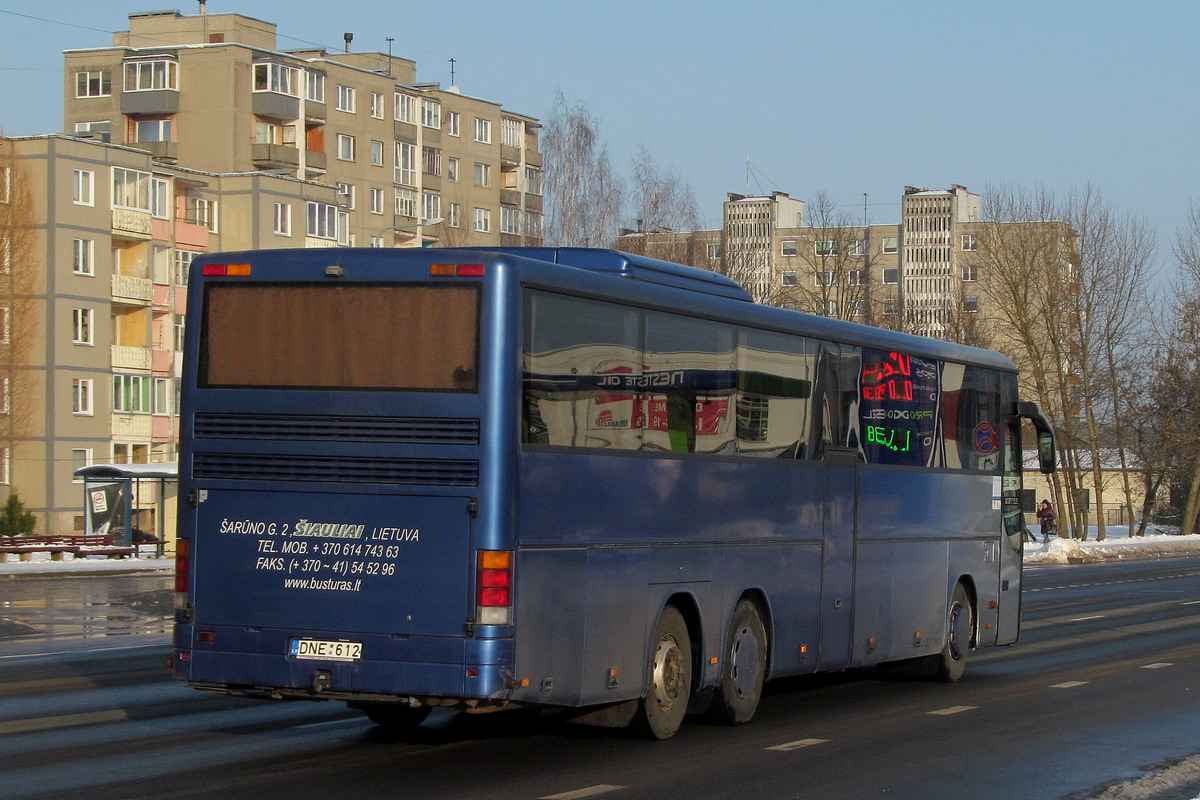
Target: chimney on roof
203, 7
349, 37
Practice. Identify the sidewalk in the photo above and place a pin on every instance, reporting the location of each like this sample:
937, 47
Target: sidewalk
84, 566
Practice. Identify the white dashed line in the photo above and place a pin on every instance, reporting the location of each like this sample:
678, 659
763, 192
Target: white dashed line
796, 745
945, 712
1069, 684
1085, 619
577, 794
1157, 665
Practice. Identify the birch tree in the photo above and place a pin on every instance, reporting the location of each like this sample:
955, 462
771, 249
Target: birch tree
582, 194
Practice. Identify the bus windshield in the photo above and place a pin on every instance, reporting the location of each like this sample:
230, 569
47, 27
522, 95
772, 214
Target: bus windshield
349, 336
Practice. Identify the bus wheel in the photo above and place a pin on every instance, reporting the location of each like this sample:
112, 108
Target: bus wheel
661, 710
960, 625
744, 668
396, 716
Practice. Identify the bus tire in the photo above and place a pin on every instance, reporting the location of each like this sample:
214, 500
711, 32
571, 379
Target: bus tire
396, 716
743, 668
960, 628
669, 684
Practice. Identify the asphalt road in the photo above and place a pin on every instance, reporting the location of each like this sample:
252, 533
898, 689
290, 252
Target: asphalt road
1102, 684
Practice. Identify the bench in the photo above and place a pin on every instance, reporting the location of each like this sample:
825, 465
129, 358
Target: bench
82, 545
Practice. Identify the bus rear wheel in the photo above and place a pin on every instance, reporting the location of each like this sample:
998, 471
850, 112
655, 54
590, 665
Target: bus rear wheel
744, 667
960, 627
661, 709
395, 716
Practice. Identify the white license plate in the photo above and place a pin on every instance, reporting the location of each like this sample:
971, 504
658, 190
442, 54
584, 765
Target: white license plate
323, 650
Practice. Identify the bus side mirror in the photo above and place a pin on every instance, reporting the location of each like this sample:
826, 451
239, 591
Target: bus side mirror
1046, 451
1045, 434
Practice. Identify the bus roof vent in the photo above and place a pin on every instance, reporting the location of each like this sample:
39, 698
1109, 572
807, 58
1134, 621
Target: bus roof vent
628, 265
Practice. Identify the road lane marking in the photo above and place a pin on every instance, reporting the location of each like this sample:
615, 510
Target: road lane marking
590, 791
945, 712
1085, 619
1069, 684
796, 745
1157, 665
1191, 603
62, 721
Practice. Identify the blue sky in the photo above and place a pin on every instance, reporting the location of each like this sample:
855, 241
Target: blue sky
847, 97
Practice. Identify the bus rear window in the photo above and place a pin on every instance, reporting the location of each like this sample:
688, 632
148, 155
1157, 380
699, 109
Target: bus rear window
347, 336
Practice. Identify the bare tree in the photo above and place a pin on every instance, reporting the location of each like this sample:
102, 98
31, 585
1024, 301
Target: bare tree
582, 194
20, 314
1179, 375
667, 215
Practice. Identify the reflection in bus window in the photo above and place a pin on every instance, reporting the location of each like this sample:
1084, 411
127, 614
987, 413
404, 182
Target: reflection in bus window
971, 417
835, 398
899, 409
774, 409
690, 377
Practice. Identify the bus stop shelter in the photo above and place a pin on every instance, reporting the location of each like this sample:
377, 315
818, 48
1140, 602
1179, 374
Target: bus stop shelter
130, 501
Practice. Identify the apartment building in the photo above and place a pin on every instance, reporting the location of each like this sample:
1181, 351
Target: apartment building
102, 300
414, 164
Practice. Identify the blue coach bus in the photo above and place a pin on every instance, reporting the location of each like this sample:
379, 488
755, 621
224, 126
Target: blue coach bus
578, 479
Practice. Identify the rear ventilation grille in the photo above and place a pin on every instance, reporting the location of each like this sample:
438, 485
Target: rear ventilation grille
406, 430
335, 469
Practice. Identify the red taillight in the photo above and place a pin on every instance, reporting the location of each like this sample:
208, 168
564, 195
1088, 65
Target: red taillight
456, 270
183, 558
493, 587
240, 270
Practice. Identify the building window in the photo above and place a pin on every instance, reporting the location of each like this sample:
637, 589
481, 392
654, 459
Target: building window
160, 198
80, 457
184, 258
161, 397
483, 220
827, 248
323, 221
483, 174
431, 205
131, 394
131, 189
483, 130
102, 129
277, 78
970, 242
81, 396
789, 276
345, 147
180, 327
283, 219
452, 170
152, 130
83, 257
970, 304
891, 275
859, 247
376, 105
510, 132
453, 218
510, 220
857, 277
452, 123
533, 180
376, 200
406, 164
200, 211
431, 114
858, 308
891, 244
93, 84
143, 76
714, 252
84, 192
534, 225
81, 325
346, 190
345, 99
890, 305
406, 203
406, 107
376, 153
788, 247
831, 308
433, 160
826, 278
314, 86
970, 272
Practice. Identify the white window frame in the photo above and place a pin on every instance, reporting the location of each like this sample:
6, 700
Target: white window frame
452, 169
322, 221
345, 98
483, 130
160, 198
376, 153
183, 265
483, 175
85, 187
431, 114
431, 205
452, 119
80, 457
345, 147
510, 220
160, 396
180, 328
131, 189
83, 397
406, 107
789, 247
406, 204
405, 170
970, 273
376, 105
131, 393
511, 131
83, 326
100, 80
151, 75
314, 86
347, 191
152, 129
970, 242
276, 78
376, 200
453, 215
483, 220
83, 257
283, 219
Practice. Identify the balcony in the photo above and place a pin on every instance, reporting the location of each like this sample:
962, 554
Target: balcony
131, 427
533, 203
129, 290
159, 151
533, 158
130, 224
314, 112
152, 102
191, 235
510, 197
313, 241
510, 156
274, 156
275, 106
125, 357
314, 159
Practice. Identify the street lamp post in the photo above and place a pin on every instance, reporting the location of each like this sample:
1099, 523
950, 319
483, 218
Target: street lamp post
417, 226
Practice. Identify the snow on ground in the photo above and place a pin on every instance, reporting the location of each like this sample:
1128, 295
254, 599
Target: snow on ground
1158, 542
42, 565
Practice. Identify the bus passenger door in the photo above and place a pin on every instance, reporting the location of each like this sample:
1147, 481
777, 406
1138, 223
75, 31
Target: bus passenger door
837, 558
1011, 539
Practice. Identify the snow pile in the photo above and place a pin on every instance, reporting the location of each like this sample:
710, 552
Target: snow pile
1116, 545
1169, 782
76, 566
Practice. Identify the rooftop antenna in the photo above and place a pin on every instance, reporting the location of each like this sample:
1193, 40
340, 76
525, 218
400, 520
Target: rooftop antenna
390, 39
747, 176
452, 72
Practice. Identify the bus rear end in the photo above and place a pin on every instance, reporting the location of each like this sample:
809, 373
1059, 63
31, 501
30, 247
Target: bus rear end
335, 538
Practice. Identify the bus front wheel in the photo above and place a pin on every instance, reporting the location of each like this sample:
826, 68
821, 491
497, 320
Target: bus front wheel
661, 709
744, 668
960, 627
